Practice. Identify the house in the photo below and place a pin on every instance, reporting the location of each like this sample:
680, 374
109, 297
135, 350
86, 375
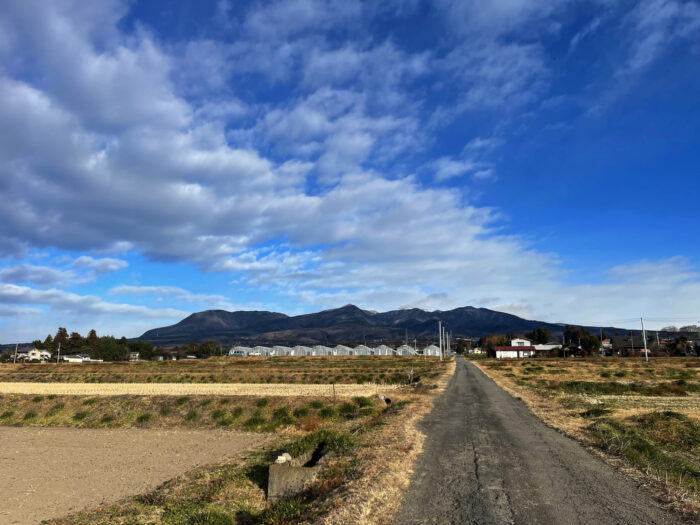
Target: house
134, 356
518, 348
68, 358
38, 355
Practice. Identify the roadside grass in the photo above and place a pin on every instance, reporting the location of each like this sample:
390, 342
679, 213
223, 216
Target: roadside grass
646, 413
301, 370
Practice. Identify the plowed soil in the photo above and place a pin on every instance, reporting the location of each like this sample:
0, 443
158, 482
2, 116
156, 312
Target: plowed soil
49, 472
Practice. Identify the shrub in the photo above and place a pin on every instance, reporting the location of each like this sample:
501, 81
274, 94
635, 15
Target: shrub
237, 412
595, 412
107, 418
164, 411
143, 418
282, 416
90, 401
55, 409
606, 373
326, 440
79, 416
301, 412
217, 414
205, 403
316, 404
182, 400
192, 415
262, 402
347, 409
327, 412
225, 401
254, 421
30, 414
7, 414
362, 402
37, 399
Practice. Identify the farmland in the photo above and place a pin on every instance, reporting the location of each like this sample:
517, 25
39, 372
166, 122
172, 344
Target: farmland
373, 443
299, 370
644, 414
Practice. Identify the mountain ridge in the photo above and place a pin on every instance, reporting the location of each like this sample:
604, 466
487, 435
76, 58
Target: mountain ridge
347, 323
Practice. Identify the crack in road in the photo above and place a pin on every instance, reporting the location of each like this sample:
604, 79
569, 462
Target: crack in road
520, 471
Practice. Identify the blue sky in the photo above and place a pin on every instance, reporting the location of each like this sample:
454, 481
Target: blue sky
535, 157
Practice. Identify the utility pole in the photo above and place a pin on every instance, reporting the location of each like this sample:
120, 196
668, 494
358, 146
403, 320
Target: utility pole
644, 337
602, 350
440, 337
58, 355
15, 360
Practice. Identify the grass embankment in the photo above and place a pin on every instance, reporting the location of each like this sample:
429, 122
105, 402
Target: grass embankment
239, 413
368, 465
303, 370
646, 414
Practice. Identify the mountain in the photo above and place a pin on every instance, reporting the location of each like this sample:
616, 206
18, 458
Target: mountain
346, 324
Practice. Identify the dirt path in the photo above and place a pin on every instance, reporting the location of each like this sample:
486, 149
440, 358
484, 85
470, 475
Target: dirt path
49, 472
488, 460
191, 389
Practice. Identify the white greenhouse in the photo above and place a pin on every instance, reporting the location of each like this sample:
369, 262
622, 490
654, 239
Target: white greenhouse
431, 350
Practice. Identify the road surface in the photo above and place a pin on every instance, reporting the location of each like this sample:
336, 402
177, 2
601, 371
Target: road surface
488, 460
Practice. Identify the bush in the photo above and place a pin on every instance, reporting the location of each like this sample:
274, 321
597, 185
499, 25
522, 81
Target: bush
164, 411
362, 401
316, 404
37, 399
262, 402
30, 414
347, 409
326, 440
282, 416
205, 403
595, 412
182, 400
55, 409
254, 421
107, 418
143, 418
79, 416
327, 412
192, 415
301, 412
217, 414
237, 412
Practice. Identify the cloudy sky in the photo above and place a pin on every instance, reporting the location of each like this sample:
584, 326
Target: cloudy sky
538, 157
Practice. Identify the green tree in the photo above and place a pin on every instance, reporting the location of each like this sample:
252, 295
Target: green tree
92, 339
109, 349
38, 344
61, 338
540, 336
75, 341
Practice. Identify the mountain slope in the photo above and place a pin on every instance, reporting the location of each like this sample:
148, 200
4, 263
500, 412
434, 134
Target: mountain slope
346, 324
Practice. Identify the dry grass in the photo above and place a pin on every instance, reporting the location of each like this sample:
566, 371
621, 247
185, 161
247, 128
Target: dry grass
179, 389
260, 370
386, 466
613, 407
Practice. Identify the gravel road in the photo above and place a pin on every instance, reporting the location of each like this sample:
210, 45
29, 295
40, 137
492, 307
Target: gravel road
488, 460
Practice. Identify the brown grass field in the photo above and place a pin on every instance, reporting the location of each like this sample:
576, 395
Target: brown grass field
643, 416
299, 370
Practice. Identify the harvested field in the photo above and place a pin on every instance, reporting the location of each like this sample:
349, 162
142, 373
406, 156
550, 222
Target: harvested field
256, 370
259, 414
180, 389
48, 472
640, 414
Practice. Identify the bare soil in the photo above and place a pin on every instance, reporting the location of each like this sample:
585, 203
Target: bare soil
49, 472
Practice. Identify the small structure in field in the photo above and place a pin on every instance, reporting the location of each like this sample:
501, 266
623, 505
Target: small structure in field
405, 350
384, 350
324, 350
431, 350
518, 348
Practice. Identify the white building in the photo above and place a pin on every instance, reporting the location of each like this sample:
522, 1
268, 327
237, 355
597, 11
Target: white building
281, 350
405, 350
363, 350
518, 348
344, 350
384, 350
38, 355
324, 350
431, 350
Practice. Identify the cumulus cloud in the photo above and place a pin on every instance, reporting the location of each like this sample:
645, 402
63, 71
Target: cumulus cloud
162, 151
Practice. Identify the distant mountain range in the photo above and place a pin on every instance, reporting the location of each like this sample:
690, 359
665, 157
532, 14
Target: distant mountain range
346, 324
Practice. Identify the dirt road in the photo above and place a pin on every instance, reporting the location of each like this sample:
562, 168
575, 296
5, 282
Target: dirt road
190, 389
49, 472
488, 460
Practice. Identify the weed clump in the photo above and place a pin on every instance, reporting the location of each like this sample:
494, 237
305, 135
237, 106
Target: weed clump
192, 415
327, 412
144, 418
262, 402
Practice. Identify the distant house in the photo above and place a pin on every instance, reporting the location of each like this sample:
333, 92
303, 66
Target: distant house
134, 356
518, 348
38, 355
68, 358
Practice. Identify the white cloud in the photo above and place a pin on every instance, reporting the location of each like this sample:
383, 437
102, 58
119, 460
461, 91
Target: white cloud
206, 301
39, 275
